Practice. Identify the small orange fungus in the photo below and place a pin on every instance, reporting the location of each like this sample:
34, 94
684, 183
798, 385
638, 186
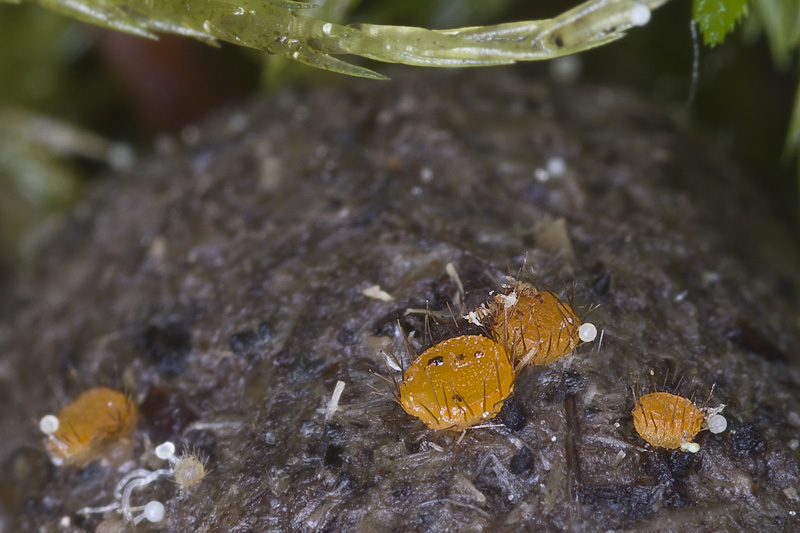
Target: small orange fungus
667, 420
93, 420
535, 326
457, 383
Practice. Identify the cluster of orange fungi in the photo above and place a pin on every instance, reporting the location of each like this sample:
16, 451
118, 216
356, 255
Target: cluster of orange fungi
465, 380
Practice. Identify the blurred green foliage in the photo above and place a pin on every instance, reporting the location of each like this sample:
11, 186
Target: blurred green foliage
283, 27
49, 65
780, 22
38, 52
717, 18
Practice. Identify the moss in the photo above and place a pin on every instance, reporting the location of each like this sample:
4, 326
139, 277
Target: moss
283, 27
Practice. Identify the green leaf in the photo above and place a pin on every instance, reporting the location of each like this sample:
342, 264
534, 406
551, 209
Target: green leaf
781, 22
717, 17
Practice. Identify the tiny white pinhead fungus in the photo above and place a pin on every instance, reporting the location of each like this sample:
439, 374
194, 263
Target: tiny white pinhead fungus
153, 512
165, 451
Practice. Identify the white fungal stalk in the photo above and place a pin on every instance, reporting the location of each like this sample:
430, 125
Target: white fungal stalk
333, 405
375, 292
49, 425
136, 483
187, 470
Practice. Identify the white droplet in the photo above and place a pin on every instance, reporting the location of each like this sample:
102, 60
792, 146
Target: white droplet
426, 174
326, 28
691, 447
640, 15
566, 69
238, 122
165, 451
49, 424
190, 135
121, 156
556, 166
154, 511
587, 332
377, 293
717, 424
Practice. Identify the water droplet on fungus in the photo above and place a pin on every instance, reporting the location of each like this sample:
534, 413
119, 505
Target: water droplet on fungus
667, 420
49, 424
95, 419
717, 423
587, 332
535, 326
639, 15
460, 389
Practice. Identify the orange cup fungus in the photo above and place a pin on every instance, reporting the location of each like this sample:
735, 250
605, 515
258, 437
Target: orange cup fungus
84, 428
668, 421
457, 383
536, 326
